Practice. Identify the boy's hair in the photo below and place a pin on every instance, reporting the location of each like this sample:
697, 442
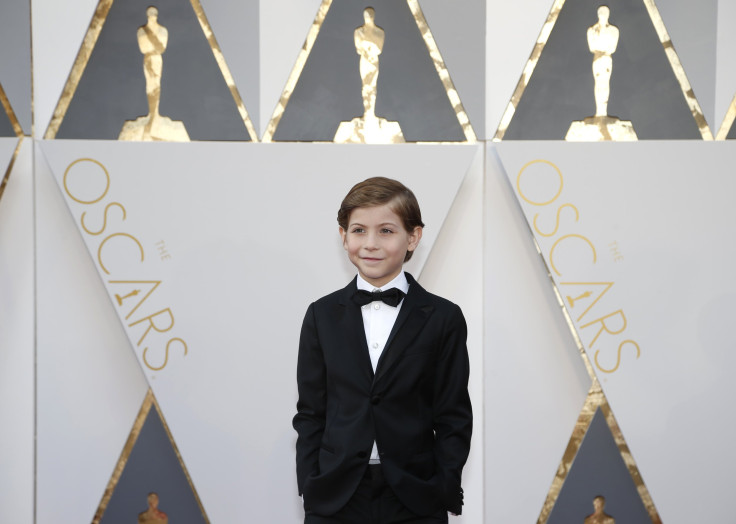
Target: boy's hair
378, 191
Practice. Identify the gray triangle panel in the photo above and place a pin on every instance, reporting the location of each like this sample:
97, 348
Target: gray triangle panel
644, 88
731, 135
153, 466
112, 88
409, 89
6, 126
599, 469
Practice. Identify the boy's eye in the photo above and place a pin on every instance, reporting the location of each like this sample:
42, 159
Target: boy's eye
386, 230
357, 230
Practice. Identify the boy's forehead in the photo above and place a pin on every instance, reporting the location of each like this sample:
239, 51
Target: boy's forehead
382, 213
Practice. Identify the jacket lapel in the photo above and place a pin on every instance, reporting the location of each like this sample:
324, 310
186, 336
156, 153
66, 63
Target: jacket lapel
413, 315
353, 329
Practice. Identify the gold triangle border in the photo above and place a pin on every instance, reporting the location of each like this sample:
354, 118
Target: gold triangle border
434, 54
9, 111
89, 42
6, 177
664, 38
727, 121
148, 402
595, 399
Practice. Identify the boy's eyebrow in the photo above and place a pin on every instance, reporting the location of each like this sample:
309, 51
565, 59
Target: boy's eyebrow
379, 225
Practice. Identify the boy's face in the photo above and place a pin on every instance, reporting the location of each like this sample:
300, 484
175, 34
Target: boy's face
377, 242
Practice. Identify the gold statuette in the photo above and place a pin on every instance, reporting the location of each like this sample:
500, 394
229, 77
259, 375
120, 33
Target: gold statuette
602, 42
369, 129
152, 40
153, 515
599, 516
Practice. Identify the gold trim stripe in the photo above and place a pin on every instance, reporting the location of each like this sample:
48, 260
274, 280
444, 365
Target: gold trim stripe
6, 177
727, 121
669, 50
88, 44
301, 60
220, 58
444, 74
140, 420
528, 70
9, 111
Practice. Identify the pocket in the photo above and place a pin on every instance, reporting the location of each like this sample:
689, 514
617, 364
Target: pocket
421, 465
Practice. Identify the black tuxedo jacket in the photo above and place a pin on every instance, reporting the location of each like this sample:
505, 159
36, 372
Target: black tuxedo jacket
416, 406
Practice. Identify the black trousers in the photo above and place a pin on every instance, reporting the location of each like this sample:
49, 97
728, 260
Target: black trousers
374, 502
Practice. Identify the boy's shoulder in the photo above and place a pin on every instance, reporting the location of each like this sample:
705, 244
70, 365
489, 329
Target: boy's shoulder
339, 295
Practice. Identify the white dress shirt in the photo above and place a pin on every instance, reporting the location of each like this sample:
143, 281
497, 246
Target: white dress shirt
378, 320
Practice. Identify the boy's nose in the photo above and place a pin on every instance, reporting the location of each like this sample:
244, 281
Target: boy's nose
371, 242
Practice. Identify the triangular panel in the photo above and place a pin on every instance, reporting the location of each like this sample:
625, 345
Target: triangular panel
150, 481
599, 62
186, 81
352, 46
599, 470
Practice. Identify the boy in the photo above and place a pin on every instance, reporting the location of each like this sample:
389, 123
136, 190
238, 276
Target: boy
383, 417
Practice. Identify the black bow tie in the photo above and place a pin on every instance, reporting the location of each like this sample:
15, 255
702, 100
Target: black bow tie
391, 297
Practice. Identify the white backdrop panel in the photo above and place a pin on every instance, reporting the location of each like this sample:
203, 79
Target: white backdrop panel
89, 384
241, 225
656, 221
17, 339
536, 382
454, 270
8, 146
58, 30
725, 71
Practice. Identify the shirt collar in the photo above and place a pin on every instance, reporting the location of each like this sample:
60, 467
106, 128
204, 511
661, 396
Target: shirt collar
399, 282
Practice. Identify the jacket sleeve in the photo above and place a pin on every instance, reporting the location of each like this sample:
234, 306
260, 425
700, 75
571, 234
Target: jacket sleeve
309, 421
453, 415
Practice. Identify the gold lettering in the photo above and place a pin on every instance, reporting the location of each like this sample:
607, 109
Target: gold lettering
104, 218
142, 300
605, 327
521, 172
571, 235
152, 323
618, 358
166, 358
587, 293
107, 181
102, 244
557, 221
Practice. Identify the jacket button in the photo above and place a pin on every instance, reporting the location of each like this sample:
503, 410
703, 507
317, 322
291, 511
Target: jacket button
362, 454
375, 400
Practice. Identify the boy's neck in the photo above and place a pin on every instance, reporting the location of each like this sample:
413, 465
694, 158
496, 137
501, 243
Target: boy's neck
399, 281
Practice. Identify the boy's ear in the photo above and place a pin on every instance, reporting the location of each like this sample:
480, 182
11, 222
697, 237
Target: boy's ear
343, 234
414, 237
